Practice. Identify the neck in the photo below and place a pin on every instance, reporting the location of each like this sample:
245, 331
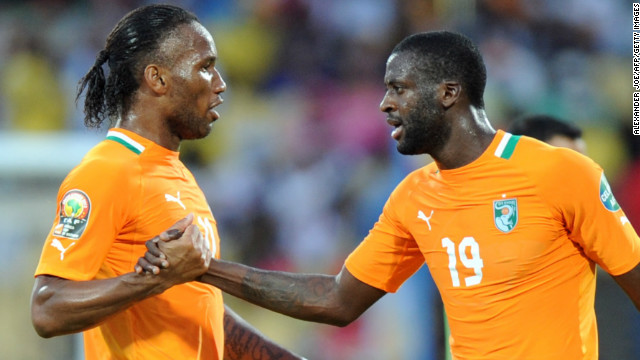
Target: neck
150, 126
471, 135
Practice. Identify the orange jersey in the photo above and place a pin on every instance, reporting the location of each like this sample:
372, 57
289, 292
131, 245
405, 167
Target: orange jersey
125, 191
511, 241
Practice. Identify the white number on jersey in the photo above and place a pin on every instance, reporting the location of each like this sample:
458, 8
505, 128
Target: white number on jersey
209, 238
474, 262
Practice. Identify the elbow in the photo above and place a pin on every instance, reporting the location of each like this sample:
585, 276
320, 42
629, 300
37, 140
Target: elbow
342, 317
44, 319
43, 325
342, 322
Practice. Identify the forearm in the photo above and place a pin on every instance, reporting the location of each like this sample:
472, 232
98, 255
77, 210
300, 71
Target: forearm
61, 306
311, 297
244, 342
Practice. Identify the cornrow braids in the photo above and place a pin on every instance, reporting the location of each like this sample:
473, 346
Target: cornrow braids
132, 44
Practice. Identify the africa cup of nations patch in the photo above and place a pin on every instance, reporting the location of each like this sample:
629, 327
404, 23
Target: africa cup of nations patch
505, 214
74, 214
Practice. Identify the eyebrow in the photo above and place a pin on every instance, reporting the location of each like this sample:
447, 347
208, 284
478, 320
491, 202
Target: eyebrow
392, 81
209, 59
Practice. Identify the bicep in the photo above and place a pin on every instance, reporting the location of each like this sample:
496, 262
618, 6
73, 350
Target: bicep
630, 283
355, 296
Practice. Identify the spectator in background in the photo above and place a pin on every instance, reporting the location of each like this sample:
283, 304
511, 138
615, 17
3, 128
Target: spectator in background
35, 99
551, 130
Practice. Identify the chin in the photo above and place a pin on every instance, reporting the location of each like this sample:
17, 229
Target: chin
408, 149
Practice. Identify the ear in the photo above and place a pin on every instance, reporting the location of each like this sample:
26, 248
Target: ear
450, 92
156, 78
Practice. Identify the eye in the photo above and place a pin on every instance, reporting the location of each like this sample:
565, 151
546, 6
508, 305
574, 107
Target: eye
397, 89
208, 66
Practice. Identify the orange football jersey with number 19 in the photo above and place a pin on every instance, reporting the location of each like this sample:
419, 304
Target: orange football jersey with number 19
125, 191
511, 241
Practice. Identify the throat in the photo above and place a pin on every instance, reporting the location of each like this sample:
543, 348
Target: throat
459, 152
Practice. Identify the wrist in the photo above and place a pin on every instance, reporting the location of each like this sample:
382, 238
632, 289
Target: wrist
150, 284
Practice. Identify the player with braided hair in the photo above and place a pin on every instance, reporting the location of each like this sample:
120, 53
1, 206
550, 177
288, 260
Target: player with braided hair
162, 88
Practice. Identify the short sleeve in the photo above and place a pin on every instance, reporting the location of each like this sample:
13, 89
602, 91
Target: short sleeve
91, 210
593, 217
389, 255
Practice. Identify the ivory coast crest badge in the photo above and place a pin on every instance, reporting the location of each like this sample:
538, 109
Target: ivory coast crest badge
75, 208
505, 214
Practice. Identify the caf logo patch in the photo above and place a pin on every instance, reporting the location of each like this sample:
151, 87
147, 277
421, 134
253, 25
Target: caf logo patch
606, 195
505, 214
75, 208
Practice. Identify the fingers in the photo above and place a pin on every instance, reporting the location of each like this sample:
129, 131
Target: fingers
156, 261
176, 230
145, 266
152, 247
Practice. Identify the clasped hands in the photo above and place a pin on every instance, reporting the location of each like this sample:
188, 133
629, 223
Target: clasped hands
179, 254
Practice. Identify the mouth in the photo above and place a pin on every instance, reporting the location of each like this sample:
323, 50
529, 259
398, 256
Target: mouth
212, 107
398, 128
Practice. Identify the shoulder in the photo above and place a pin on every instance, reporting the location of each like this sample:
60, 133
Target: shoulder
410, 184
414, 178
543, 160
560, 174
106, 163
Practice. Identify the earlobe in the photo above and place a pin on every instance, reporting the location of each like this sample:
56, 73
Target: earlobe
154, 78
450, 93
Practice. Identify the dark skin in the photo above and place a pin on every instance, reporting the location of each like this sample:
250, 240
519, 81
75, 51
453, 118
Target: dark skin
61, 306
174, 102
340, 299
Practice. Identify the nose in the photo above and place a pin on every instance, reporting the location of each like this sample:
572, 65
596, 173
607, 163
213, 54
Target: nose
219, 86
386, 105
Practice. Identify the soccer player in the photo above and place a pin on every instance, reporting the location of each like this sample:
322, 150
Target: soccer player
510, 228
162, 88
551, 130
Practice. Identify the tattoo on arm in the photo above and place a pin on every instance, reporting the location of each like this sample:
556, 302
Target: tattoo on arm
303, 296
244, 343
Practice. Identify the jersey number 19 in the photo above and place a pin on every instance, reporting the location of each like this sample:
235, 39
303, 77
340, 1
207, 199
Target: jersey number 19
474, 262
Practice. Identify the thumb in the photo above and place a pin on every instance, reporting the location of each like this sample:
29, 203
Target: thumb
176, 230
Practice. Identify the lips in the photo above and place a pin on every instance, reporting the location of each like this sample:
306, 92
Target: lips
214, 104
397, 124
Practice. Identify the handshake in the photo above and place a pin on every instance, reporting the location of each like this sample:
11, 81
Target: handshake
179, 254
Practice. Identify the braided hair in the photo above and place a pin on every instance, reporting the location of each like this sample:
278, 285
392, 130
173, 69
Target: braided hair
131, 45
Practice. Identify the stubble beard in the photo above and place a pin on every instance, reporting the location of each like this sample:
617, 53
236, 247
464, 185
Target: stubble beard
425, 129
187, 125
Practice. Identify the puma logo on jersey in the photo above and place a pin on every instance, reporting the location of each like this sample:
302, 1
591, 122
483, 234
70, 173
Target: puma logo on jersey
624, 220
58, 245
424, 217
176, 199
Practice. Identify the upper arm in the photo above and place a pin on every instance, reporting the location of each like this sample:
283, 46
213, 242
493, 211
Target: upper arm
389, 255
592, 215
355, 296
87, 220
630, 283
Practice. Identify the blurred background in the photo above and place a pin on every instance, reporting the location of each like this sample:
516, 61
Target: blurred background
299, 165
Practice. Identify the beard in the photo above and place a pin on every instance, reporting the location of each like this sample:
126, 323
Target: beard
188, 125
425, 129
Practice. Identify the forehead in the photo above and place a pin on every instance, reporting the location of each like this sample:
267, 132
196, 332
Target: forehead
190, 42
400, 67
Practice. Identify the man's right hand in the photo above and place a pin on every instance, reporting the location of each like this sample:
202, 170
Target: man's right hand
179, 254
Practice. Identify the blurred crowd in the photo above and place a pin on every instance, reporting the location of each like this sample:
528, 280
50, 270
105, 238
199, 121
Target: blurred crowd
301, 161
